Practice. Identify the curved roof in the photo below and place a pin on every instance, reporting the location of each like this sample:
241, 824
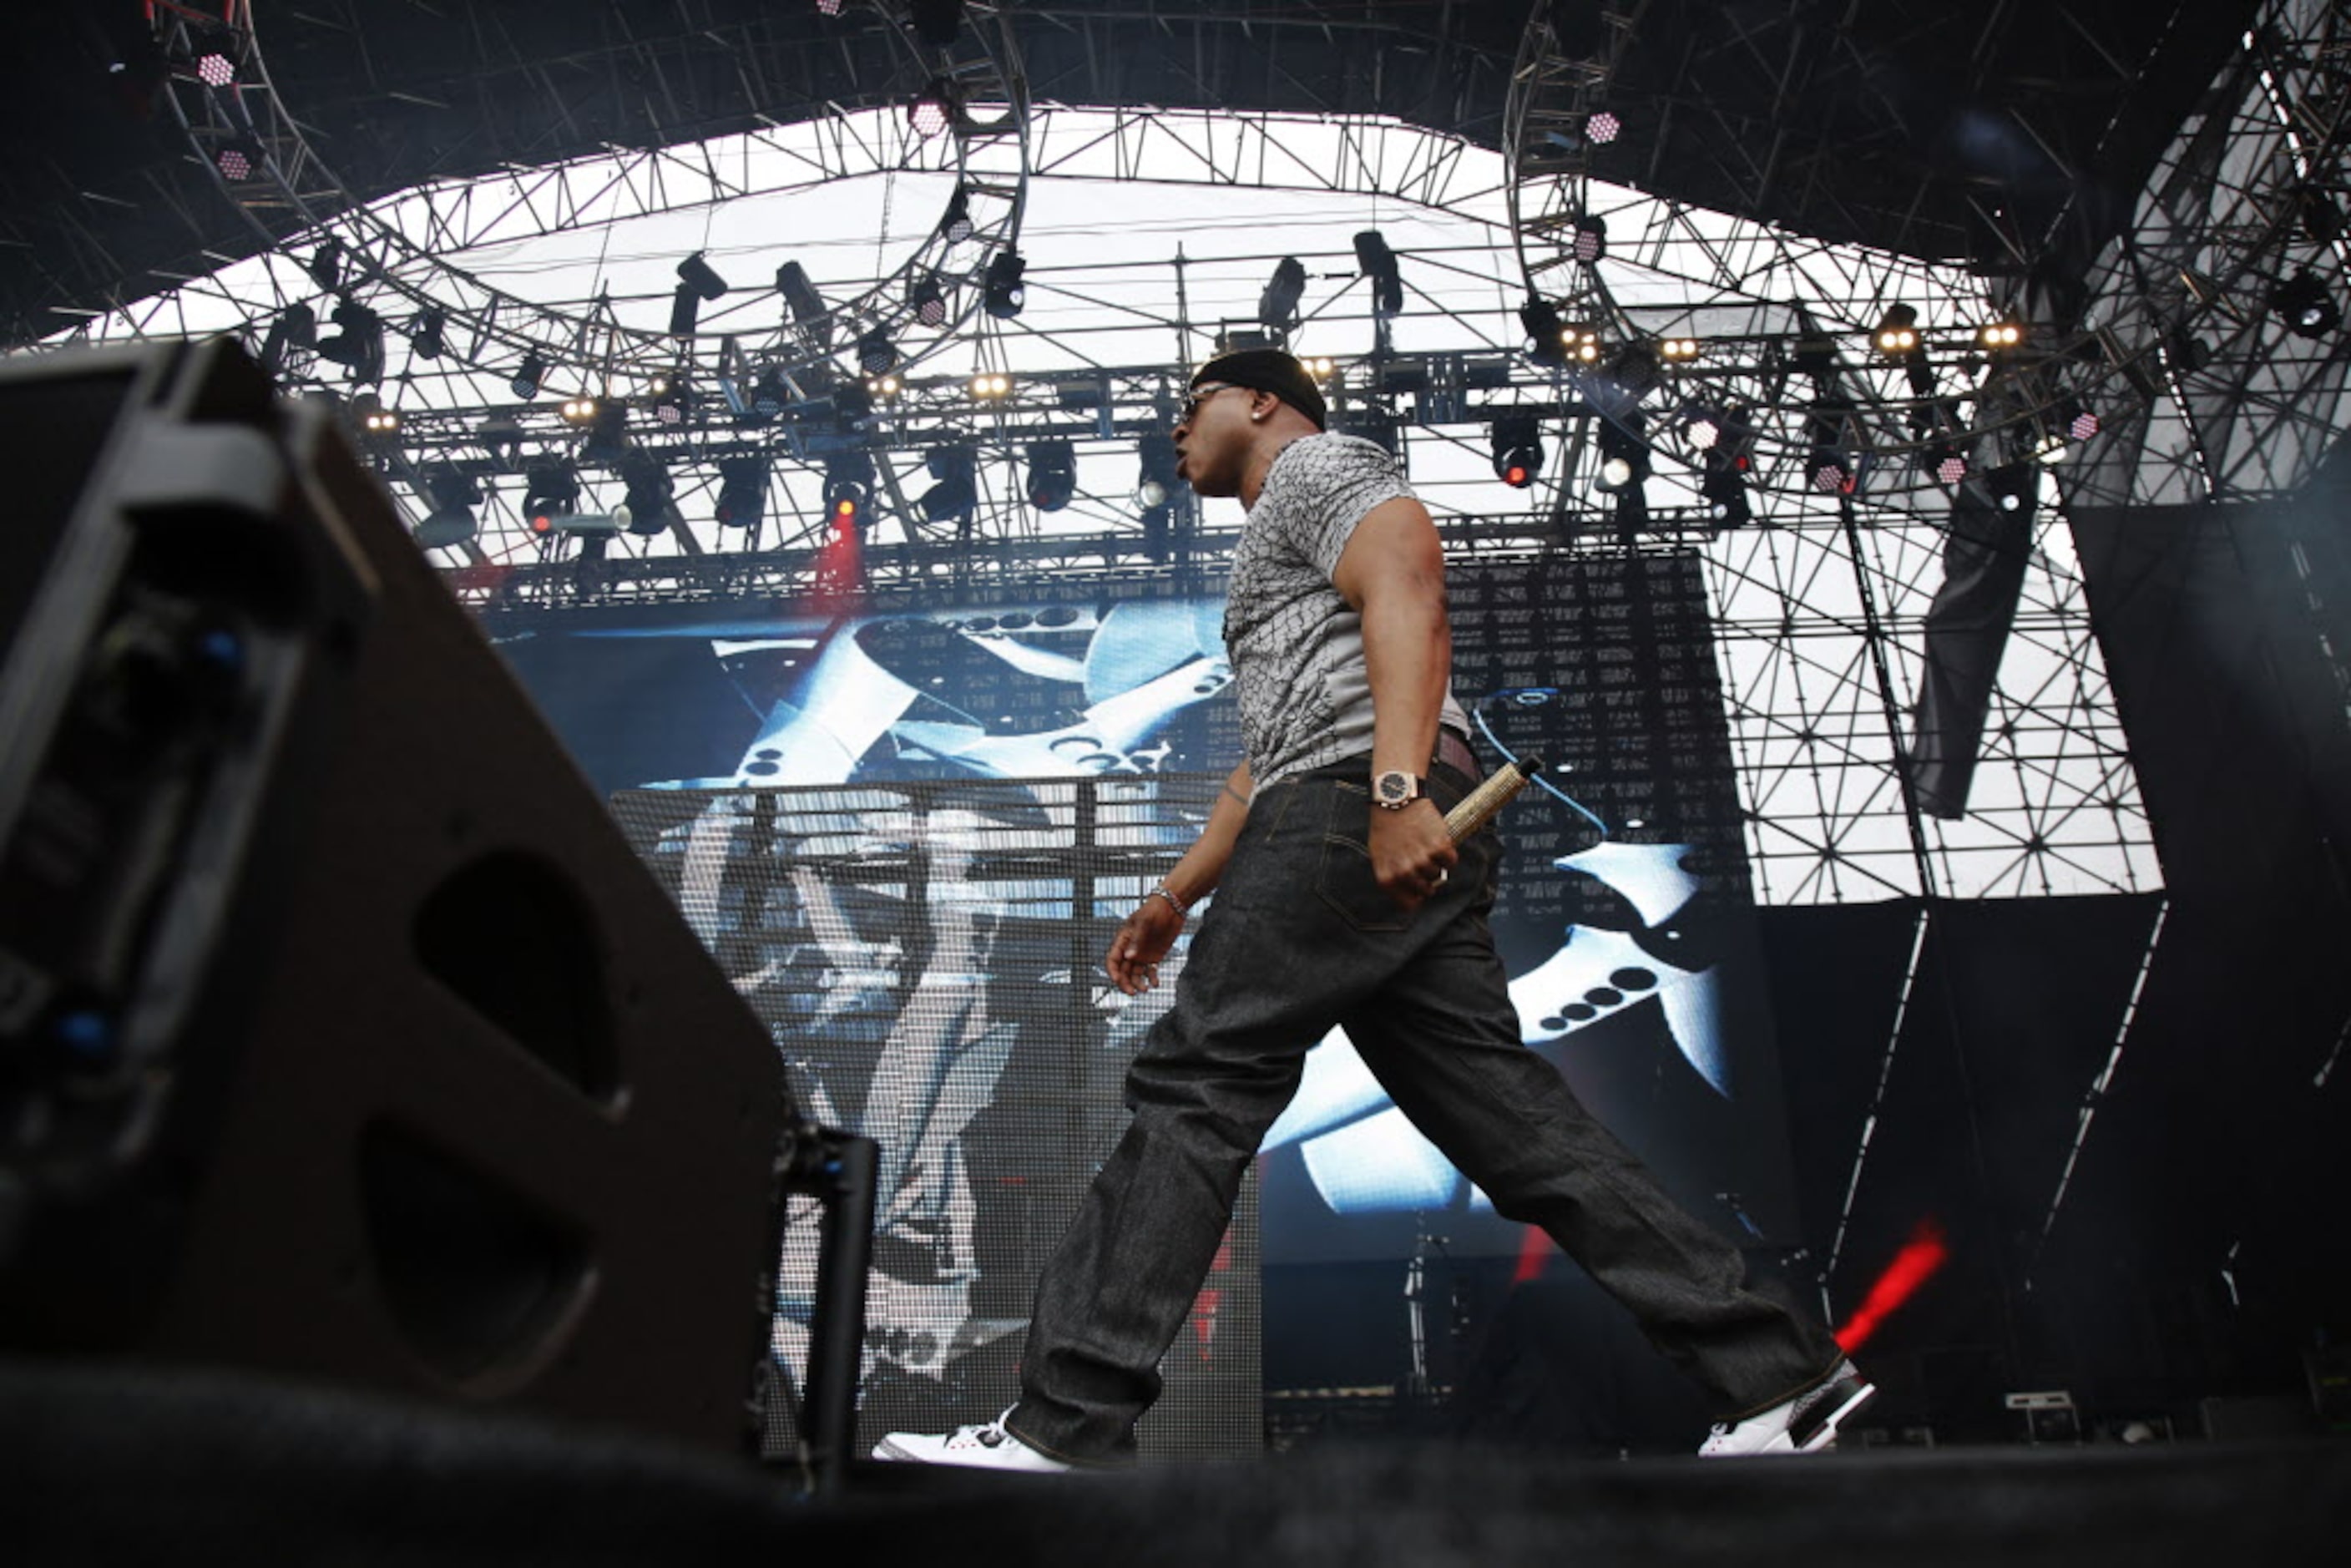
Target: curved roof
1980, 130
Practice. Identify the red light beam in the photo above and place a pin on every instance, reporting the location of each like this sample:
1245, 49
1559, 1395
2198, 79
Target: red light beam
1912, 1267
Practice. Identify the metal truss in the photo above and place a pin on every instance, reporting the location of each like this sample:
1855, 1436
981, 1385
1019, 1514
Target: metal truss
955, 111
1780, 331
1820, 596
2250, 197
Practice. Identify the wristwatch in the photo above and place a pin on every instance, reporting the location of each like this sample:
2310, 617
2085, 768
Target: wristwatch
1394, 790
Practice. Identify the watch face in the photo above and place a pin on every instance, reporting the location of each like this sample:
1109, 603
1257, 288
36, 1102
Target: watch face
1394, 788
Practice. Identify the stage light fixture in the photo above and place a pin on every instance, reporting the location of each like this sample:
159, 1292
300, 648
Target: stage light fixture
2081, 425
990, 384
673, 401
828, 8
607, 440
699, 276
742, 492
1677, 350
1157, 482
1632, 370
2305, 305
579, 410
1580, 344
1591, 242
358, 342
1003, 294
428, 334
876, 354
326, 264
2001, 337
1951, 468
956, 492
1702, 430
1624, 452
646, 489
1277, 304
1545, 340
1602, 128
956, 226
293, 335
551, 490
239, 160
2015, 486
770, 394
1321, 367
932, 110
929, 301
215, 68
847, 478
1897, 337
451, 522
529, 376
937, 22
1052, 475
1375, 261
685, 311
1723, 488
1518, 450
2320, 215
372, 417
807, 307
884, 387
1828, 466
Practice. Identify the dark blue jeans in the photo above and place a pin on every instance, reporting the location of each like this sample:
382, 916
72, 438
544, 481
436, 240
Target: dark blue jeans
1299, 938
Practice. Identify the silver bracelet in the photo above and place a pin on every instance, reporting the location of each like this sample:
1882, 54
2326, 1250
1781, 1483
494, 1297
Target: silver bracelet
1174, 902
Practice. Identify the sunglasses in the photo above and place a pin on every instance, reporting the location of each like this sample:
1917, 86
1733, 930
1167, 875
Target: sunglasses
1201, 395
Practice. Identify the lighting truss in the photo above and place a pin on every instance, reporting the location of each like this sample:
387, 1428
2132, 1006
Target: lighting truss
1821, 600
397, 249
2236, 405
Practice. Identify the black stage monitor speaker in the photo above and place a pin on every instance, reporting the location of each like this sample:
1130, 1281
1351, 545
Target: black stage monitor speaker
341, 1035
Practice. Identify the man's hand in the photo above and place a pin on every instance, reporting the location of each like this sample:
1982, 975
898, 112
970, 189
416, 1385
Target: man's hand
1411, 854
1143, 940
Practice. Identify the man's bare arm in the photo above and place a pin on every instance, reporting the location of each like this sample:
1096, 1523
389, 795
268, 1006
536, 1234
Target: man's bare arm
1392, 573
1146, 935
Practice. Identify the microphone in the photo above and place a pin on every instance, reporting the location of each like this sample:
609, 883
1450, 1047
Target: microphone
1478, 806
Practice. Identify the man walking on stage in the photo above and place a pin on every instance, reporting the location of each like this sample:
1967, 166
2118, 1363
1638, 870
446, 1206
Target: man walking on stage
1342, 901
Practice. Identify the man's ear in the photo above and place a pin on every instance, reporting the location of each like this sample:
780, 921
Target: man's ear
1262, 404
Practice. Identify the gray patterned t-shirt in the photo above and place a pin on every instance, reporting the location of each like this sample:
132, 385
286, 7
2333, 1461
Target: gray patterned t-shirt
1297, 649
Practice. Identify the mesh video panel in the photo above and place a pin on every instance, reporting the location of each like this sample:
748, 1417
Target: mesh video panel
926, 956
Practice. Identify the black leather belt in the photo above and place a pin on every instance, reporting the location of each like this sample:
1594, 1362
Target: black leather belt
1453, 751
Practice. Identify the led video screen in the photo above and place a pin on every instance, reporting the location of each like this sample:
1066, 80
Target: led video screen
1624, 918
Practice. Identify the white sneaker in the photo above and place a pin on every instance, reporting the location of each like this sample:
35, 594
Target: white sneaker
987, 1447
1805, 1424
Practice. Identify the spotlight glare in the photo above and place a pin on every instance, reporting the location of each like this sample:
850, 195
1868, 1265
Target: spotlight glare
2083, 425
2001, 335
1615, 474
235, 164
1601, 129
215, 69
1951, 469
1702, 434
